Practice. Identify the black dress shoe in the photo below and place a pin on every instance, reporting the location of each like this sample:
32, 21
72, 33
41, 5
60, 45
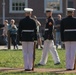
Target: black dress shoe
57, 63
41, 47
32, 69
28, 70
40, 64
73, 68
69, 69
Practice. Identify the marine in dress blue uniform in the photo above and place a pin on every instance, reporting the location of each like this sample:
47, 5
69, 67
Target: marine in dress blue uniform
68, 36
48, 41
27, 34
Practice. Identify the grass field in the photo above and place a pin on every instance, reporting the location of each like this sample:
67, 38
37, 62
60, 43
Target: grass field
14, 59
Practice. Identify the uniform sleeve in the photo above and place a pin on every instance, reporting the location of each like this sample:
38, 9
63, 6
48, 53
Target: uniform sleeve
19, 31
35, 31
62, 31
1, 25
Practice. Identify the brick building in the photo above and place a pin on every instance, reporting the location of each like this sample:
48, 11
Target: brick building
14, 8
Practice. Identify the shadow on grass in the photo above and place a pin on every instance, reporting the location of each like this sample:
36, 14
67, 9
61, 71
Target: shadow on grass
11, 50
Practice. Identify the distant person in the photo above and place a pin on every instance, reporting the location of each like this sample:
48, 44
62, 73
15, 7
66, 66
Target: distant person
38, 24
13, 33
5, 32
57, 30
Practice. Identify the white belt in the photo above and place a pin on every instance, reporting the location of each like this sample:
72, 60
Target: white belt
69, 30
46, 29
27, 30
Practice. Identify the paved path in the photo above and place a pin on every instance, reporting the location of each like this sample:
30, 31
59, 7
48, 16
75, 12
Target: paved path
39, 70
4, 47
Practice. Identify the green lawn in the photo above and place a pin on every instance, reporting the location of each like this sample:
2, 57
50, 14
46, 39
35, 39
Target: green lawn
14, 59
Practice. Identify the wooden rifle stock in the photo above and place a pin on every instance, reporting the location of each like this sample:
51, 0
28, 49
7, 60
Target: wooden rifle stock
34, 55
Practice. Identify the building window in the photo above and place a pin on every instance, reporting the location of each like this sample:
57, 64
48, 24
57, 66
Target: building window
56, 5
17, 6
70, 4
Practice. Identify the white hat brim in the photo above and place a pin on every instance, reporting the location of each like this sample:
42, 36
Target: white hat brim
70, 9
51, 10
28, 9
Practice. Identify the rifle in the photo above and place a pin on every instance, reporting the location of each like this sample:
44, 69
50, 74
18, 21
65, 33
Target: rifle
34, 55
